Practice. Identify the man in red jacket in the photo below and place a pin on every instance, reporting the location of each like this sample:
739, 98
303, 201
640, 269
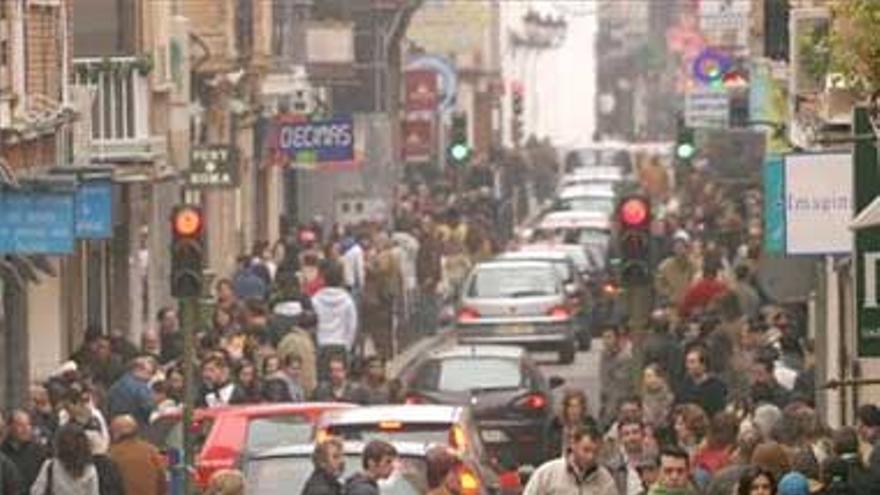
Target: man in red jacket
704, 291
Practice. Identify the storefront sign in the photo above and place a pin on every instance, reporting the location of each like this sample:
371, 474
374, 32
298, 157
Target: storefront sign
416, 140
421, 90
212, 166
318, 141
818, 203
36, 222
94, 209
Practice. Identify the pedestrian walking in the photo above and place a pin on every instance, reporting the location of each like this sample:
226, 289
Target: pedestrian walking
226, 482
11, 481
674, 474
219, 389
329, 464
373, 388
576, 472
573, 415
701, 387
384, 285
71, 471
337, 320
675, 274
22, 449
338, 387
443, 467
131, 394
377, 461
617, 372
140, 464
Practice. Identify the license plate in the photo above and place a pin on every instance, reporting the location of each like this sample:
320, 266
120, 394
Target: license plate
494, 436
515, 329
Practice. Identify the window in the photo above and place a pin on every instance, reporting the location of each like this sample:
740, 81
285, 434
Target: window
265, 433
514, 281
457, 375
4, 52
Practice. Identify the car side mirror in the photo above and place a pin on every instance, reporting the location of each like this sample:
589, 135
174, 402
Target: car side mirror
556, 382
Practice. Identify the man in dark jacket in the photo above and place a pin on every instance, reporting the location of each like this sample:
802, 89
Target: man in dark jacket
131, 394
20, 447
378, 463
219, 389
700, 387
329, 462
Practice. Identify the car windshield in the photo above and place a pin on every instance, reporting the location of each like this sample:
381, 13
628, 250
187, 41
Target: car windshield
593, 237
592, 204
514, 281
265, 433
394, 432
457, 374
288, 475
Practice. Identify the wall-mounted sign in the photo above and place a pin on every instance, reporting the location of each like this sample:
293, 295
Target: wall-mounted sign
33, 222
416, 140
212, 165
421, 90
94, 209
315, 141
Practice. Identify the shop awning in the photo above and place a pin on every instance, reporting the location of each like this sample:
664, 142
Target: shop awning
868, 217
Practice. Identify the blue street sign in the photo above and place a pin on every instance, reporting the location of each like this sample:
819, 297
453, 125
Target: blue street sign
317, 141
36, 222
774, 204
94, 209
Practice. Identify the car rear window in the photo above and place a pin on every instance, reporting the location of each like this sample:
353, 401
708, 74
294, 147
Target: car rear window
288, 475
514, 281
398, 432
265, 433
588, 204
457, 374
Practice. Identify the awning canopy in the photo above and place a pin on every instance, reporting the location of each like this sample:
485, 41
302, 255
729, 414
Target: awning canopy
868, 217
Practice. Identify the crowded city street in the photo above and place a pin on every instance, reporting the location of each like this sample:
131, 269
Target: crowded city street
439, 247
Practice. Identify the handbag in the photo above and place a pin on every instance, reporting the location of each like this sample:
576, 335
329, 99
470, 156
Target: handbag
50, 479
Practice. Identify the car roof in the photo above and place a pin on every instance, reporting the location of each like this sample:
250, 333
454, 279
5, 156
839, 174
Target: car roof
515, 263
407, 449
500, 351
402, 413
260, 410
575, 219
535, 254
586, 191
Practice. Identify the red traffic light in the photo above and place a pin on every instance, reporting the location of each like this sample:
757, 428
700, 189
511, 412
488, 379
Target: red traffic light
187, 221
634, 212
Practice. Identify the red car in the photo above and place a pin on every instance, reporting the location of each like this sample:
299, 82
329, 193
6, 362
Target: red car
223, 434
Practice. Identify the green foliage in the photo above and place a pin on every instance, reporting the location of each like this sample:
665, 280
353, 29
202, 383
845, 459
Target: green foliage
814, 47
855, 43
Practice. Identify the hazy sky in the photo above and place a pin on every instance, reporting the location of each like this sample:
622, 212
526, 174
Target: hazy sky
560, 84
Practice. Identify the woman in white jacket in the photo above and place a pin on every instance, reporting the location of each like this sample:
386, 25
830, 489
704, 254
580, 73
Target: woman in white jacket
70, 471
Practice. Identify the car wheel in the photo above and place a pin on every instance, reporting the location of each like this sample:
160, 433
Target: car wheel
566, 355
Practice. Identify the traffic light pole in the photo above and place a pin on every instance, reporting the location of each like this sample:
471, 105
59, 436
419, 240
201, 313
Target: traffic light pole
189, 321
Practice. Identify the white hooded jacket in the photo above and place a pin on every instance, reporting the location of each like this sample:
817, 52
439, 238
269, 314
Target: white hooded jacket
337, 317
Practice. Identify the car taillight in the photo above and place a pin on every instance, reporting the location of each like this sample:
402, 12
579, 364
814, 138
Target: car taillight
458, 438
610, 289
470, 484
533, 402
559, 313
467, 315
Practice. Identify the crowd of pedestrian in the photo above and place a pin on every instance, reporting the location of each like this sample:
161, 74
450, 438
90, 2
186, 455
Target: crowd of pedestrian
717, 395
315, 316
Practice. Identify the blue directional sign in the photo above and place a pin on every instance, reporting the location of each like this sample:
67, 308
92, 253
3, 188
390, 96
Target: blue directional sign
94, 209
36, 222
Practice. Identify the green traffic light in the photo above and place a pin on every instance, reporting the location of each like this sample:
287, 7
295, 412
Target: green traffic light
459, 152
686, 151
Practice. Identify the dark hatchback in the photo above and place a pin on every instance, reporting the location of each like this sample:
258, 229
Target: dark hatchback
510, 398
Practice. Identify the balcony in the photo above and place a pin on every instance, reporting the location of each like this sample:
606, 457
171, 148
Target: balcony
119, 88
